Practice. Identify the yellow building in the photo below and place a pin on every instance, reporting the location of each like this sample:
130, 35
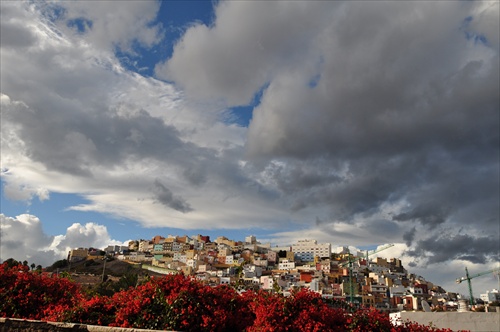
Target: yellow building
78, 254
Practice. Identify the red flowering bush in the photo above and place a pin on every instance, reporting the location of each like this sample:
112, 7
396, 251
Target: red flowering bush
368, 319
31, 295
97, 310
183, 304
180, 303
302, 311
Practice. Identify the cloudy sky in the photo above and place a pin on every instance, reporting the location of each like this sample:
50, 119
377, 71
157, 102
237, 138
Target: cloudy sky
354, 123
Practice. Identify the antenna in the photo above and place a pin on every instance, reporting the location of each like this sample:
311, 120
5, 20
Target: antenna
425, 306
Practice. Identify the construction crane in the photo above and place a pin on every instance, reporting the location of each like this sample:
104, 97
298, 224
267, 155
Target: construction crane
469, 277
351, 260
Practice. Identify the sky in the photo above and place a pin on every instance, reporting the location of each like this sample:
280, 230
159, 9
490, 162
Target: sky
352, 123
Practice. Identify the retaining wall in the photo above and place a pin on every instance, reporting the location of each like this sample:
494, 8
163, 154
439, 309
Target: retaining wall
25, 325
456, 321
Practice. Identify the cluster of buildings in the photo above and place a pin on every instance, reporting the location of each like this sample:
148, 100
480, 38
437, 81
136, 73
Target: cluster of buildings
491, 296
249, 264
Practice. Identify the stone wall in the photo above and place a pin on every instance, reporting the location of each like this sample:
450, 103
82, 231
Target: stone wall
456, 321
24, 325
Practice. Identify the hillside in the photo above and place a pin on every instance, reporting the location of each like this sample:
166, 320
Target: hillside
115, 268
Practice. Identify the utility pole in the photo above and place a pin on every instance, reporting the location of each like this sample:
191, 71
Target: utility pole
103, 269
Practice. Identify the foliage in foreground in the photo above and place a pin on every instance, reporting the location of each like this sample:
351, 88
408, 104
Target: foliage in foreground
182, 304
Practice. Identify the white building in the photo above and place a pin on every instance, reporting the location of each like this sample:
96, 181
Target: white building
139, 257
377, 278
266, 282
314, 285
230, 259
250, 239
491, 296
115, 249
251, 271
306, 250
398, 290
143, 245
415, 290
176, 246
286, 265
192, 263
260, 262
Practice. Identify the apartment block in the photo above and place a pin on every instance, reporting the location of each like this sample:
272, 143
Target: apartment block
307, 250
491, 296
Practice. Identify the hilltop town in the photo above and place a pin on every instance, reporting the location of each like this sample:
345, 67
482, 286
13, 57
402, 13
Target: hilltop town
361, 278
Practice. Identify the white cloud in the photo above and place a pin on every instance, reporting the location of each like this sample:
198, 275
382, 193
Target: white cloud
23, 238
260, 39
88, 235
110, 24
486, 21
24, 193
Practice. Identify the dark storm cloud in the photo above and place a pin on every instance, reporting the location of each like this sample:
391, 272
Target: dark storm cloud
444, 247
348, 191
383, 228
13, 33
293, 179
409, 236
392, 122
73, 142
429, 213
412, 153
165, 196
335, 233
195, 174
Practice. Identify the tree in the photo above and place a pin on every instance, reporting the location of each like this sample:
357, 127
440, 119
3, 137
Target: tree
126, 281
59, 264
11, 262
276, 287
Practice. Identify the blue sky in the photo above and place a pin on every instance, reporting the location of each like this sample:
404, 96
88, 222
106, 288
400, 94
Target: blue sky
353, 123
58, 218
176, 17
